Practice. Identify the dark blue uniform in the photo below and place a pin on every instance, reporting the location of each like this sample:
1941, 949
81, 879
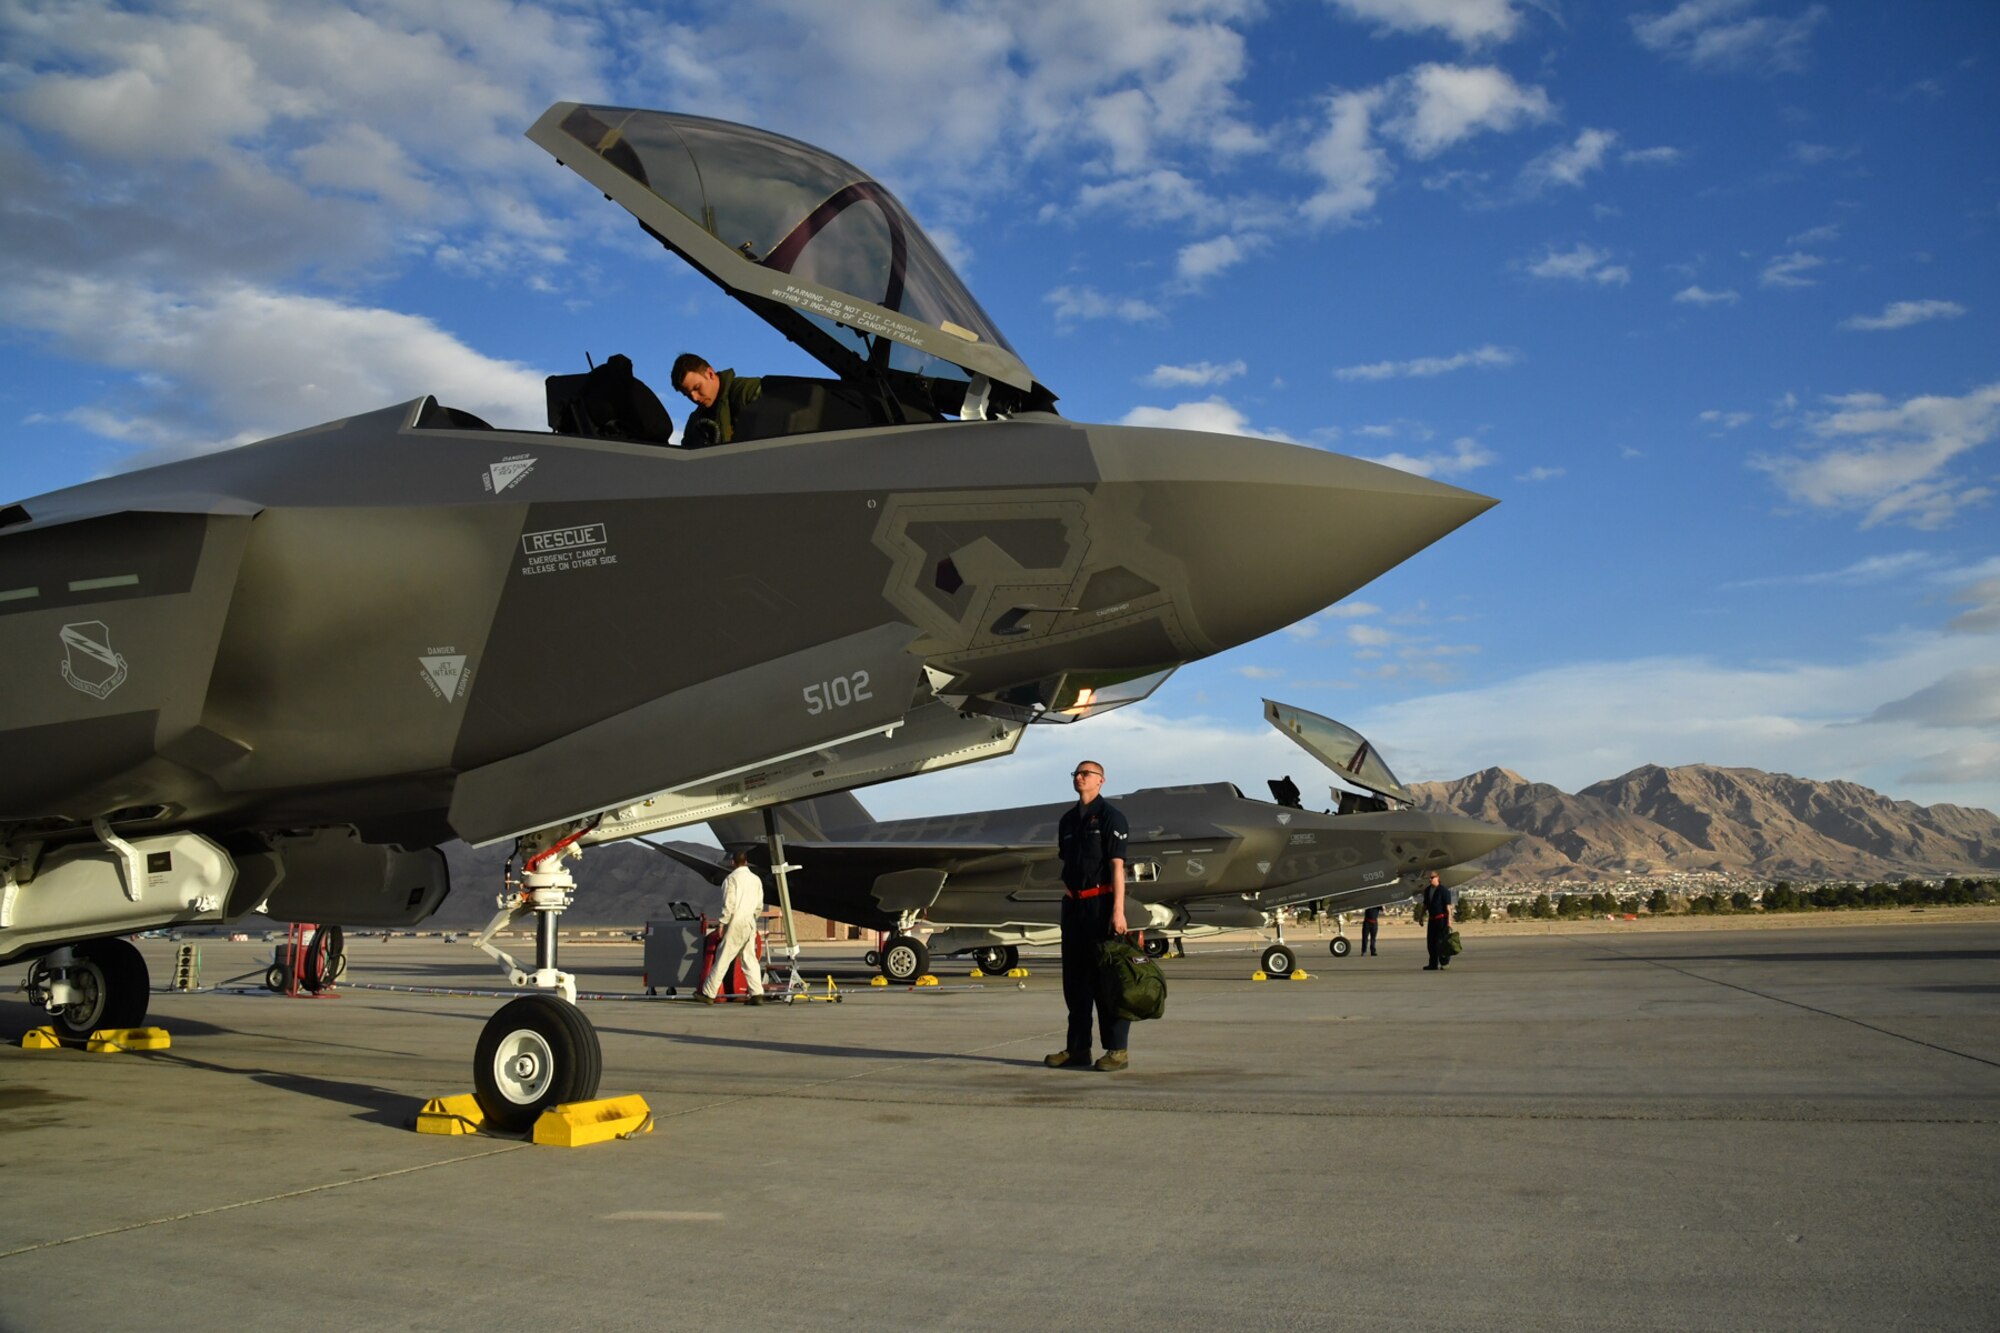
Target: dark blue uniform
1089, 840
1437, 916
1371, 925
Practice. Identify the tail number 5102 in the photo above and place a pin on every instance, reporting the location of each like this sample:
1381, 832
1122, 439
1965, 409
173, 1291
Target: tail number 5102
839, 692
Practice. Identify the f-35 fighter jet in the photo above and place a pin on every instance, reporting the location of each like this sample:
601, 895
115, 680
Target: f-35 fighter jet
1202, 858
279, 676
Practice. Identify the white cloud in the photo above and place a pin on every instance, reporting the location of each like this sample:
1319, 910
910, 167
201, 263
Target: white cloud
233, 363
1163, 195
1785, 270
1703, 297
1074, 303
1214, 414
1197, 373
1983, 596
1651, 157
1902, 314
1486, 358
1261, 672
1442, 105
1582, 723
1568, 164
1204, 259
1466, 455
1967, 698
1468, 22
1825, 234
1891, 461
1541, 474
1585, 263
1709, 35
1726, 420
1351, 169
1866, 572
1369, 636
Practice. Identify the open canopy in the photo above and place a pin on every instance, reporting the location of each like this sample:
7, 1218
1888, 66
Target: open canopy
1341, 748
801, 237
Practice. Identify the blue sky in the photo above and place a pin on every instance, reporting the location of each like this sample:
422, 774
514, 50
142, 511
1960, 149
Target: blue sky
1704, 293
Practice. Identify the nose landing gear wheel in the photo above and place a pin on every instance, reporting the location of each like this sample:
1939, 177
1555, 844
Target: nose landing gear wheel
538, 1051
1157, 947
1339, 946
1279, 960
905, 959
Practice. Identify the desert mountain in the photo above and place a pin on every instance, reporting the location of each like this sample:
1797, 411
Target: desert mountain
1740, 822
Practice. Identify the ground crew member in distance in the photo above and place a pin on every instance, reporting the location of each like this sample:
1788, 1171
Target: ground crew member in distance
719, 399
742, 900
1371, 926
1437, 928
1091, 840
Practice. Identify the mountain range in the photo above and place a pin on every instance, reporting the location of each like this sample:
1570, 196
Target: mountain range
1739, 822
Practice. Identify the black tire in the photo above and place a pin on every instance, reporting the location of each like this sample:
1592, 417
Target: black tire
1279, 960
905, 959
871, 959
1339, 946
1157, 947
116, 989
1012, 959
274, 979
538, 1051
992, 960
322, 962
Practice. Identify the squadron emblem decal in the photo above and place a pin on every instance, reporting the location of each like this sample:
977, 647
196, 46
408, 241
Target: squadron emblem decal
446, 673
499, 476
1284, 819
89, 664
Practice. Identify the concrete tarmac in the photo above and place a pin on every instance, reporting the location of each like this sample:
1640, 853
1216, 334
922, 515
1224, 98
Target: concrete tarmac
1723, 1129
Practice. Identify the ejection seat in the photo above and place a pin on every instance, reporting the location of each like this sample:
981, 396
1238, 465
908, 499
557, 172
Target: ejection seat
608, 403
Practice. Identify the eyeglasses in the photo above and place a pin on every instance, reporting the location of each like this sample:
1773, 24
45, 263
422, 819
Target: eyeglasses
1086, 773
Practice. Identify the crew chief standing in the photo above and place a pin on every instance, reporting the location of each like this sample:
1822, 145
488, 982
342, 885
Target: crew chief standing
1437, 916
1091, 840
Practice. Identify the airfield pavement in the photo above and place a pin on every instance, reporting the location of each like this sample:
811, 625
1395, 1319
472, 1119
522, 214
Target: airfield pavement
1791, 1129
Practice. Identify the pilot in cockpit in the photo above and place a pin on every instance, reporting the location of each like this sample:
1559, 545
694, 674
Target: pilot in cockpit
720, 398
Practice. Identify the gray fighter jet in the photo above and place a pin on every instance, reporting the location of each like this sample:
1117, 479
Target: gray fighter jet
1203, 858
278, 677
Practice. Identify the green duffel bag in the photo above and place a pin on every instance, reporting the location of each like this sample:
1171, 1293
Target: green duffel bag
1453, 945
1131, 983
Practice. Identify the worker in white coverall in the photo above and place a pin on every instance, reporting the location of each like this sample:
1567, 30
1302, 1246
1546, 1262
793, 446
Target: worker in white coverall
742, 900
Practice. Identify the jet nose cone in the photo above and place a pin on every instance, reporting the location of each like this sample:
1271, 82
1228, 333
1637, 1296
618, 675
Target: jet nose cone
1468, 839
1269, 533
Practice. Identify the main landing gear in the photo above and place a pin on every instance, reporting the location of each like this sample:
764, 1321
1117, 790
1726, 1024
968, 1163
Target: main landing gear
904, 958
997, 960
538, 1051
1279, 960
92, 985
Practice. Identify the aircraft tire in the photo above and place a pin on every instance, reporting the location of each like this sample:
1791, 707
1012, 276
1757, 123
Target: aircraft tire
1157, 946
905, 959
996, 960
536, 1052
1279, 960
1339, 946
116, 988
274, 978
871, 959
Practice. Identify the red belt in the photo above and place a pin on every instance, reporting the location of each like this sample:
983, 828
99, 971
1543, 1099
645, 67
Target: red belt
1088, 893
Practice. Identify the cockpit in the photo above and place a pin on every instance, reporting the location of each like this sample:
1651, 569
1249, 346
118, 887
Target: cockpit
806, 241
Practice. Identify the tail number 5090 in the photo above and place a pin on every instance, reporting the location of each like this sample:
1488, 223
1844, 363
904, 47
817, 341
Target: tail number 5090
839, 692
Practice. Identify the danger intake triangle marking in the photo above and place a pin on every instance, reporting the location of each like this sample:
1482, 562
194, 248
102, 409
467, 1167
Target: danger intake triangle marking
445, 673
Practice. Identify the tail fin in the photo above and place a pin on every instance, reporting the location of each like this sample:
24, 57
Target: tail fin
817, 819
